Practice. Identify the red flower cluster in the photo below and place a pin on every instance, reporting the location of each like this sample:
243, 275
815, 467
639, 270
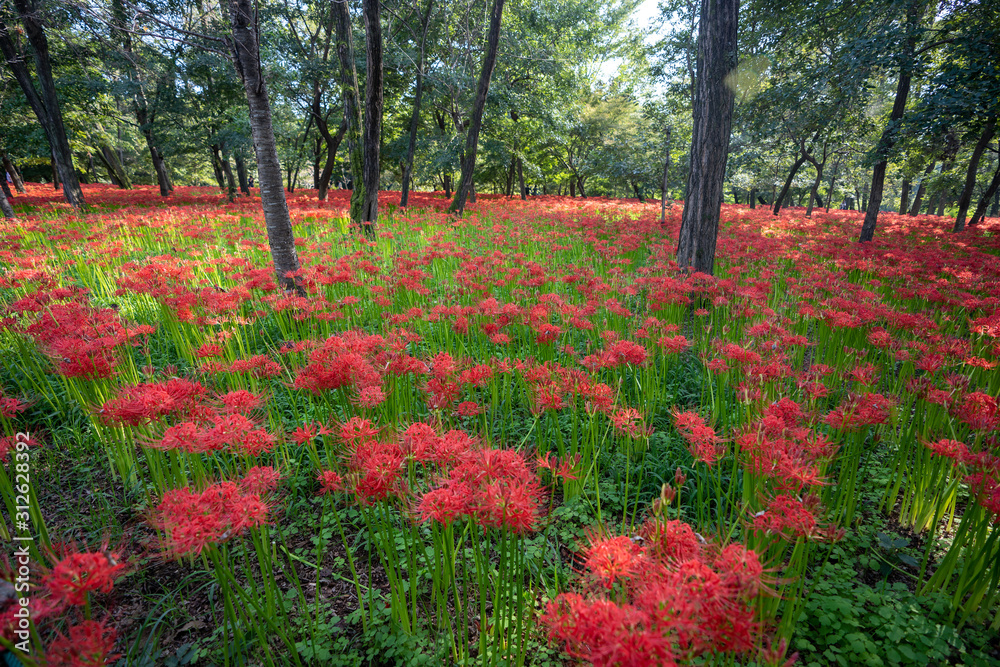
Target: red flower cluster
701, 438
192, 520
683, 598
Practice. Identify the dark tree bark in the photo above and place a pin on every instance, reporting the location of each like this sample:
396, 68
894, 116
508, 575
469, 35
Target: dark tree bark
115, 169
246, 56
992, 190
352, 106
373, 115
5, 207
332, 144
904, 196
411, 145
14, 175
801, 160
921, 189
818, 165
914, 13
5, 187
753, 198
833, 180
509, 187
46, 106
241, 173
665, 187
227, 169
220, 177
712, 118
970, 176
478, 105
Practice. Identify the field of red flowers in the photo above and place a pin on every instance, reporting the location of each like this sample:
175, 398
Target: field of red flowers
520, 437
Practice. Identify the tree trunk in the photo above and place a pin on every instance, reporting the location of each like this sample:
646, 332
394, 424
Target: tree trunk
411, 145
5, 187
992, 191
241, 173
921, 189
814, 191
520, 179
753, 198
220, 177
102, 156
579, 182
904, 196
970, 176
46, 107
914, 13
833, 180
478, 105
56, 181
712, 121
373, 115
115, 168
352, 107
332, 144
227, 169
246, 55
666, 182
14, 175
5, 207
572, 187
942, 200
509, 186
788, 183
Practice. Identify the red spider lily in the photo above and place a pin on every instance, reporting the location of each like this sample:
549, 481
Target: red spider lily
260, 480
357, 430
11, 407
702, 439
142, 403
241, 401
192, 521
77, 573
493, 487
788, 516
613, 558
951, 449
630, 422
978, 411
330, 482
88, 644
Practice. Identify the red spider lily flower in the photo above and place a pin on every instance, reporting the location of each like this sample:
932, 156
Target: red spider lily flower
77, 573
468, 409
702, 440
142, 403
369, 397
241, 401
978, 411
611, 559
787, 516
330, 482
669, 541
673, 344
89, 644
305, 434
380, 468
951, 449
630, 422
260, 480
9, 443
357, 430
192, 521
11, 407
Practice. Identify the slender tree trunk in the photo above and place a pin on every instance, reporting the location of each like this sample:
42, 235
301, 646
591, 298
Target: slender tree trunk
942, 200
520, 179
5, 207
914, 13
579, 182
246, 56
411, 145
332, 144
102, 156
5, 187
833, 180
220, 177
15, 176
227, 169
921, 189
814, 191
352, 106
478, 105
992, 192
712, 121
115, 168
572, 187
46, 106
509, 186
970, 176
373, 115
241, 173
664, 190
788, 183
904, 196
753, 198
